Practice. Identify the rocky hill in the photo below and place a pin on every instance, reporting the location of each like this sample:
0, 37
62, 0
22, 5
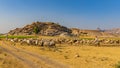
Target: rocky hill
43, 28
115, 31
53, 29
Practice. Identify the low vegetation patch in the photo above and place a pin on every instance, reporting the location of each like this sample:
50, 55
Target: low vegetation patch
117, 65
19, 37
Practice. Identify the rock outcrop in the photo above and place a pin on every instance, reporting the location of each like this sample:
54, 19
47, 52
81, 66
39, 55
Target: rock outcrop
54, 29
44, 28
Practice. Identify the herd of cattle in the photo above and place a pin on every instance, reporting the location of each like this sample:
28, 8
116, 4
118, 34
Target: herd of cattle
53, 42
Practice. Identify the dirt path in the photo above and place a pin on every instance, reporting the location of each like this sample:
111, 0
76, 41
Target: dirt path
31, 59
25, 61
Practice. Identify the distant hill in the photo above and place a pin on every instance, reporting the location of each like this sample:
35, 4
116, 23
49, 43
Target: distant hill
88, 32
115, 31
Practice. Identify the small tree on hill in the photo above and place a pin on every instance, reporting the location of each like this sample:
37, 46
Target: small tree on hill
36, 30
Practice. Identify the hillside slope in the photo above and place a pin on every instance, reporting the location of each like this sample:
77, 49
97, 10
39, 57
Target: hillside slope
53, 29
115, 31
88, 32
44, 28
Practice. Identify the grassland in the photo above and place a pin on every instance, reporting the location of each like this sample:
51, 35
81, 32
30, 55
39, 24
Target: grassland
81, 56
8, 61
89, 56
19, 37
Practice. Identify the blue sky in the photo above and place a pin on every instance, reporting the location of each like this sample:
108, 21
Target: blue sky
84, 14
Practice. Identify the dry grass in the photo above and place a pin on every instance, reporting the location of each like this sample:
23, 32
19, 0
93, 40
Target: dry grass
81, 56
8, 61
78, 56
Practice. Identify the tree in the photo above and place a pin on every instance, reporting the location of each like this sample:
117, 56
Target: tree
36, 30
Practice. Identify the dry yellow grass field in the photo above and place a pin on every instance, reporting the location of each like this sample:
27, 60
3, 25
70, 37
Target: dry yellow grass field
8, 61
74, 56
89, 56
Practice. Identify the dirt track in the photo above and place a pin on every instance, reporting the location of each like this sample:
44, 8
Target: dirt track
30, 59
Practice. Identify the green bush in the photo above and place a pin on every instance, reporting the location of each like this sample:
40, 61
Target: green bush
117, 65
36, 30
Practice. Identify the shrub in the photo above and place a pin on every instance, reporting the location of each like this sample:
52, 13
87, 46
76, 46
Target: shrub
117, 65
66, 57
36, 30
